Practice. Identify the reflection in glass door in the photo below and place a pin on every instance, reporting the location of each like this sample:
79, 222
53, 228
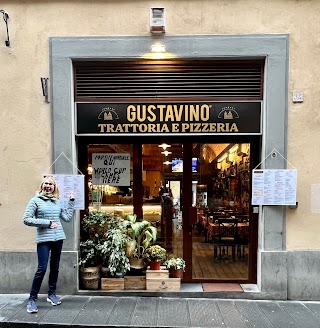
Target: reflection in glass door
221, 189
162, 190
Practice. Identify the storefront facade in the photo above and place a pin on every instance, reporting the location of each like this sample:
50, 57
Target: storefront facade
276, 273
89, 48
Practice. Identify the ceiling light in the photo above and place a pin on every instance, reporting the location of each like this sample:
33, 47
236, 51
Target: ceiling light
223, 157
164, 146
233, 149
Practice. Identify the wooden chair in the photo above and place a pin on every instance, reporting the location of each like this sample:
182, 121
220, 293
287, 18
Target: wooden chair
227, 237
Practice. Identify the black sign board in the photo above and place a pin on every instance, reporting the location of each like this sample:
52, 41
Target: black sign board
169, 118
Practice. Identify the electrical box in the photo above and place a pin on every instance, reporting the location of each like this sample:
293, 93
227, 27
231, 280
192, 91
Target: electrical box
157, 20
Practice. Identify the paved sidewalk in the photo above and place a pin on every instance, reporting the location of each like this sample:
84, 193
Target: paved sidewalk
111, 311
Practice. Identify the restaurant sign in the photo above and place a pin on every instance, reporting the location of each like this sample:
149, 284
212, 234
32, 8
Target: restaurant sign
169, 118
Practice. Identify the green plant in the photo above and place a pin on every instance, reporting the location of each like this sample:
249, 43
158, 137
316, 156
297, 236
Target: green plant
175, 263
143, 235
113, 249
89, 254
156, 253
93, 225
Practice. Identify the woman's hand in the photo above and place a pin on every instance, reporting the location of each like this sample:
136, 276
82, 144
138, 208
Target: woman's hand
53, 225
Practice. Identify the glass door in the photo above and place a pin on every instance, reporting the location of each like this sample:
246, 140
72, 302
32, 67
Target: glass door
220, 193
162, 166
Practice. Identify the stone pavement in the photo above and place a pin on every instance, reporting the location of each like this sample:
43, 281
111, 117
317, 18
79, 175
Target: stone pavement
126, 311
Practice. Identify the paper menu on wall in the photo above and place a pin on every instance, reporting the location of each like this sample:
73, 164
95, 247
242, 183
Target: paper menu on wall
274, 187
71, 184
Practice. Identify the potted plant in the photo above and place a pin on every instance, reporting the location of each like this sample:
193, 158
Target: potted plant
114, 247
89, 256
155, 254
88, 262
143, 235
176, 266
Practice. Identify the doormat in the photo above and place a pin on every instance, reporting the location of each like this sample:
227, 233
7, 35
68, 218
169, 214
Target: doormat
221, 287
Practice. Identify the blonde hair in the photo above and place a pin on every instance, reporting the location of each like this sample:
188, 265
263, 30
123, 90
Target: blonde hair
50, 178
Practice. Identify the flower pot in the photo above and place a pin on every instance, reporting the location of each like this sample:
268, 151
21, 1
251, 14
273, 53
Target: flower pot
136, 263
155, 265
119, 275
105, 272
177, 273
90, 277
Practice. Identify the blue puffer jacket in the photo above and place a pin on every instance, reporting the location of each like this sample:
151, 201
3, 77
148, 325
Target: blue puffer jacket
41, 210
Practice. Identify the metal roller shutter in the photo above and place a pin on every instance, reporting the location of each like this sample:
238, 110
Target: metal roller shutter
187, 79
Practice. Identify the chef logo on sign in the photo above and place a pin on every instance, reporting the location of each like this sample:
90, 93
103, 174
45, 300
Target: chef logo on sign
108, 114
228, 113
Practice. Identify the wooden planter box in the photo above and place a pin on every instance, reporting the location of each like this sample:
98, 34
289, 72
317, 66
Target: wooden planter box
163, 284
135, 282
162, 273
112, 283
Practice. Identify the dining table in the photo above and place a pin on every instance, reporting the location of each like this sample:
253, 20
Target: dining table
243, 230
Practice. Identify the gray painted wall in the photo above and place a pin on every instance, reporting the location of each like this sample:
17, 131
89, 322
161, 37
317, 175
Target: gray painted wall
18, 269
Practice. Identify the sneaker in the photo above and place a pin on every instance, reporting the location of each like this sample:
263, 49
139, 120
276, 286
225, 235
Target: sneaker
32, 307
54, 299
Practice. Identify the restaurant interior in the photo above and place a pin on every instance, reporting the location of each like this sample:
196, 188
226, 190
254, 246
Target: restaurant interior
221, 190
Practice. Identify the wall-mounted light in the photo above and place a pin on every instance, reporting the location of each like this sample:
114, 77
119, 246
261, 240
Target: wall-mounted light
166, 153
158, 51
167, 163
44, 85
5, 18
158, 48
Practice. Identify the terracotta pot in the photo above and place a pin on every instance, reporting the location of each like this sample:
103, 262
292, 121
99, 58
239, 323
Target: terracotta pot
178, 273
155, 265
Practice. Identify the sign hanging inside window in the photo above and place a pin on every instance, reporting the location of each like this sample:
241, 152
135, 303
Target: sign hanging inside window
111, 169
274, 187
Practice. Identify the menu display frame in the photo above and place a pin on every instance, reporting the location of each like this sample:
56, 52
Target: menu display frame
274, 187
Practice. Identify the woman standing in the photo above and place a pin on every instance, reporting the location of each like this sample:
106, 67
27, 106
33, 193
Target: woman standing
44, 212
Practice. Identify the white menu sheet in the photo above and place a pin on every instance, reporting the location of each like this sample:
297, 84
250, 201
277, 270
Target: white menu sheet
111, 169
274, 187
71, 184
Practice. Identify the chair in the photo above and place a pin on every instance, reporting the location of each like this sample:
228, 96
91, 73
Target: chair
227, 237
243, 242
